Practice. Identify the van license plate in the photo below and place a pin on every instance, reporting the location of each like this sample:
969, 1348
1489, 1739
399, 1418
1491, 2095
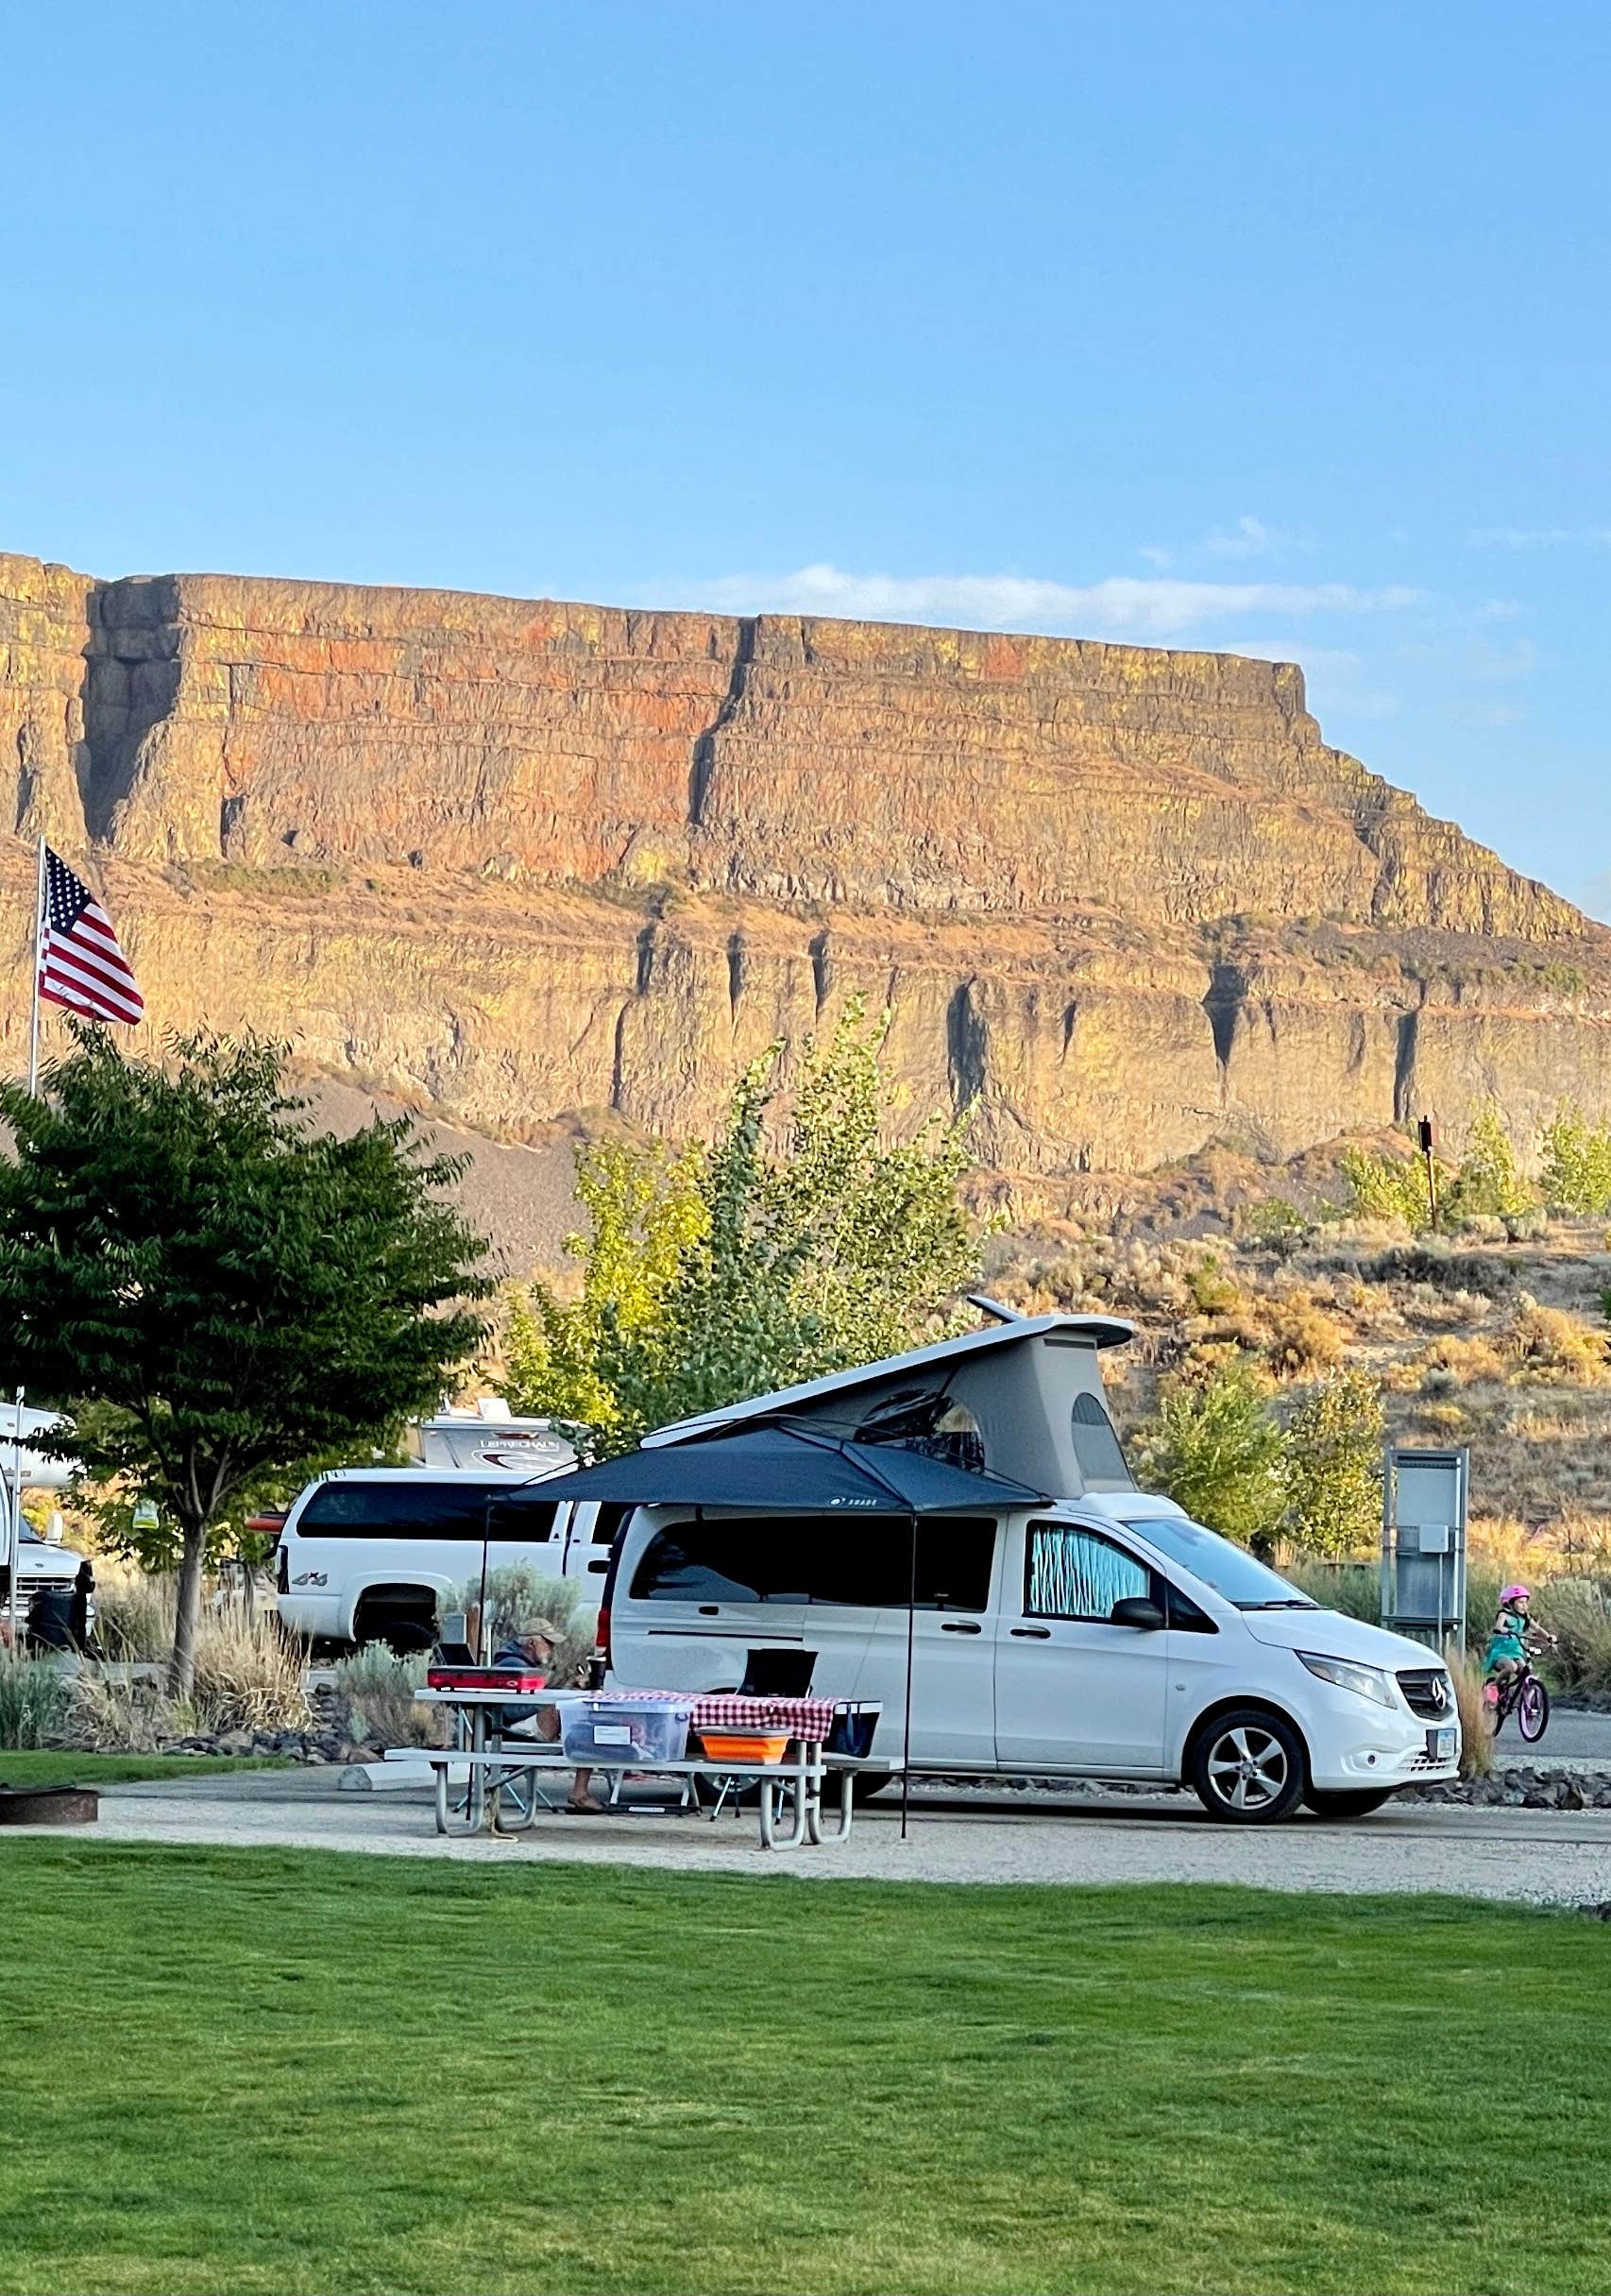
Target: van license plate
1440, 1746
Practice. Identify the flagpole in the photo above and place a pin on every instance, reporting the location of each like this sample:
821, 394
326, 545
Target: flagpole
39, 950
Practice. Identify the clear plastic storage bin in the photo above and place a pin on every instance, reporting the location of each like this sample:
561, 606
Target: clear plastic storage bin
603, 1729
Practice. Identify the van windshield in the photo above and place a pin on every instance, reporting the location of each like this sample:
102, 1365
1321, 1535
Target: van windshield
1228, 1569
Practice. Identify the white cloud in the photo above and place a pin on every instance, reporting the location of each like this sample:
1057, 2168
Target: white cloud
1539, 538
1121, 607
1248, 538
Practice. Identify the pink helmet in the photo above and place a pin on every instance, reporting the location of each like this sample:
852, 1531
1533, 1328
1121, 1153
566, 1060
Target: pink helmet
1516, 1595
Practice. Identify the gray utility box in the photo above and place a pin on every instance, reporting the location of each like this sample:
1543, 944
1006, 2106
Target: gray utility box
1423, 1544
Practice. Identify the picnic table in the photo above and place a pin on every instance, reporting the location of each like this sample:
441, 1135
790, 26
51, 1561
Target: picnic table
496, 1766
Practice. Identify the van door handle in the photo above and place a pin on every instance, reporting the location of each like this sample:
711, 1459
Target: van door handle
599, 1565
1032, 1633
710, 1611
958, 1627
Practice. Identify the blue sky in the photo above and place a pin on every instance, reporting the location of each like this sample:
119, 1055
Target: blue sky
1280, 327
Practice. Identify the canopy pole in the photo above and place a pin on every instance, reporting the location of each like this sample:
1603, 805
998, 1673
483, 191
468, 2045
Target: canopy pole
906, 1720
16, 1526
483, 1654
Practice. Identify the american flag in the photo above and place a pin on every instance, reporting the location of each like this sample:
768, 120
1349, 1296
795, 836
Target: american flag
80, 964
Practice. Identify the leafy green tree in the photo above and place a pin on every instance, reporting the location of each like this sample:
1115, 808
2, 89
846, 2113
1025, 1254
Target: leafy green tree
1331, 1466
1577, 1162
712, 1276
212, 1291
1214, 1448
1391, 1187
1488, 1178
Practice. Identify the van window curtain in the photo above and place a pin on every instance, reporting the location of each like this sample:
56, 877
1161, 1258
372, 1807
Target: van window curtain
1074, 1574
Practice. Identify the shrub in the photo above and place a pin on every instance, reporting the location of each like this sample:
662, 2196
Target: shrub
1352, 1588
1578, 1613
1214, 1448
1430, 1261
1548, 1343
1483, 1579
1577, 1162
1390, 1188
516, 1591
1210, 1290
374, 1689
1331, 1471
1275, 1222
34, 1700
1489, 1181
1303, 1340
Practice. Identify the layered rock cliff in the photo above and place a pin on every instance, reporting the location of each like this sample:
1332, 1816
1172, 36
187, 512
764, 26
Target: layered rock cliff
516, 862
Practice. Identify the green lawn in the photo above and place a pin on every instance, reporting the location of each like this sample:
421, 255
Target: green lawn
45, 1767
243, 2071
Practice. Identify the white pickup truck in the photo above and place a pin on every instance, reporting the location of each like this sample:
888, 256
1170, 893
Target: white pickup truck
366, 1554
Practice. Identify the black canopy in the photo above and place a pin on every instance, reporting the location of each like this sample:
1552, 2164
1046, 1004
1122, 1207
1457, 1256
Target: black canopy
787, 1469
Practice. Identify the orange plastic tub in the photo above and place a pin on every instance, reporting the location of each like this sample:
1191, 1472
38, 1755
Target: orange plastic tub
744, 1746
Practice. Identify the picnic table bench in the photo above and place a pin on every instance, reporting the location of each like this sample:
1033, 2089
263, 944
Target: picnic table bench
498, 1766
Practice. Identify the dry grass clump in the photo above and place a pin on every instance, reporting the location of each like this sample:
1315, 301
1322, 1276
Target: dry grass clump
247, 1678
247, 1675
1451, 1362
1476, 1731
1444, 1421
134, 1613
121, 1717
1549, 1344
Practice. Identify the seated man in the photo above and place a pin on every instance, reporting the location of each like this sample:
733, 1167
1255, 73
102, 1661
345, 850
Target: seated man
533, 1649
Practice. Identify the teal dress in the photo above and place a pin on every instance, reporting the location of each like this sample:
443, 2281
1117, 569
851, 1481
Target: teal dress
1507, 1640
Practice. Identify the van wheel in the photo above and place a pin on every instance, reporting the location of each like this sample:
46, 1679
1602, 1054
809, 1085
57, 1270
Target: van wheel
1248, 1768
1348, 1805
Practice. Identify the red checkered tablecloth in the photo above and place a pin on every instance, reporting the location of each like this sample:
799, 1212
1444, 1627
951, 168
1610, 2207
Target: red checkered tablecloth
724, 1709
808, 1718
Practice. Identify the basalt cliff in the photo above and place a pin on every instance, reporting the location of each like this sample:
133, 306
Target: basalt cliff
521, 863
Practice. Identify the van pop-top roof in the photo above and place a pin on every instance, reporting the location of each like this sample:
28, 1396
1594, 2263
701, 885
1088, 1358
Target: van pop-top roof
1021, 1398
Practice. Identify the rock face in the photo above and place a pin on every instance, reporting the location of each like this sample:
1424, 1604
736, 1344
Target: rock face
517, 861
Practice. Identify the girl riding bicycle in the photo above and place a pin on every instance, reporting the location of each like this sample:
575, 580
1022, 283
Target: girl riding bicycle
1513, 1641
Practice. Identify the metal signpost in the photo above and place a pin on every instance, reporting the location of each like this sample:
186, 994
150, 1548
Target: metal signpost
1423, 1544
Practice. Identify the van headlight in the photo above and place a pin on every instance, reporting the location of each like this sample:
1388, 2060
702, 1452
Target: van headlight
1369, 1681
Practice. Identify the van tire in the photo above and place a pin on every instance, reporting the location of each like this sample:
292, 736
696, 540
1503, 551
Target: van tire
1247, 1766
1346, 1805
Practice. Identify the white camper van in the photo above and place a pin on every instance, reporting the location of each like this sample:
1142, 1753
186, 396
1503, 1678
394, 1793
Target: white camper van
1102, 1634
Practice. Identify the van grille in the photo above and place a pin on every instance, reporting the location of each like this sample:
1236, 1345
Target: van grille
1428, 1692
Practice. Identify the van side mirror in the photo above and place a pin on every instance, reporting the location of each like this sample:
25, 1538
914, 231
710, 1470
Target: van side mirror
1136, 1611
